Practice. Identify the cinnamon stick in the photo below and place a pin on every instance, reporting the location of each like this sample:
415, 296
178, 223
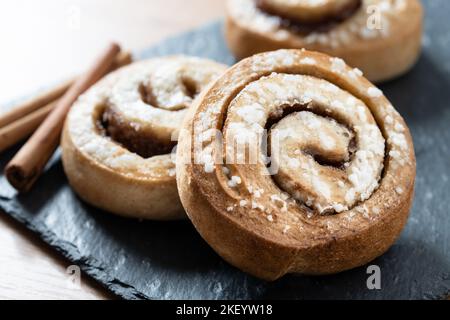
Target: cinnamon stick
19, 129
22, 128
50, 95
26, 166
35, 103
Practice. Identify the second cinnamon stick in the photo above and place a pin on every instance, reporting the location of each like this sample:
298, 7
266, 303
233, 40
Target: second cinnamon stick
26, 166
22, 128
50, 95
18, 124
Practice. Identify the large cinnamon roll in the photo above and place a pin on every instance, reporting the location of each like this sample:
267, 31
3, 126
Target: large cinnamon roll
118, 136
380, 37
334, 189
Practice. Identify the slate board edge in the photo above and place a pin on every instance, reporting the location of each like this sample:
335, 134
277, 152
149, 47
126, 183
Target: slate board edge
90, 266
94, 268
87, 264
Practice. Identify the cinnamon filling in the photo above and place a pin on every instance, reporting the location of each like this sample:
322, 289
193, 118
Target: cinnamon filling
325, 148
329, 160
325, 24
131, 137
143, 141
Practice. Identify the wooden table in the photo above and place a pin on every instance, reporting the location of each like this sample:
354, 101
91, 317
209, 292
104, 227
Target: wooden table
47, 40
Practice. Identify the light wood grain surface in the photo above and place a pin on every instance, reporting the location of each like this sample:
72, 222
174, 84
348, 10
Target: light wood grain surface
47, 40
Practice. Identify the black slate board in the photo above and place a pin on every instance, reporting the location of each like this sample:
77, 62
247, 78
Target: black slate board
169, 260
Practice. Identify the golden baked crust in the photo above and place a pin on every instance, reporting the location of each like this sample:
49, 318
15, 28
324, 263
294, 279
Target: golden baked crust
383, 46
118, 136
265, 227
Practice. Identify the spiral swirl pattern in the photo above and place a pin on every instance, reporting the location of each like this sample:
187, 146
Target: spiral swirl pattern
344, 165
121, 132
306, 135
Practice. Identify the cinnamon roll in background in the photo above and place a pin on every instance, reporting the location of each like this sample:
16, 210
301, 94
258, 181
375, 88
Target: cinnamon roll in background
332, 195
118, 136
380, 37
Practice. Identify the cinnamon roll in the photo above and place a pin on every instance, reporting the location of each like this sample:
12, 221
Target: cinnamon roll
293, 162
380, 37
118, 136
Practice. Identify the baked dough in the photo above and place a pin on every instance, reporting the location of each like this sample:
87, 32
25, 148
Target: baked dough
380, 37
309, 11
118, 136
338, 188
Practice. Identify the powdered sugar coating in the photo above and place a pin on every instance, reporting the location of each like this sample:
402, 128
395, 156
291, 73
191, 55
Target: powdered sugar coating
300, 174
243, 124
246, 13
121, 90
